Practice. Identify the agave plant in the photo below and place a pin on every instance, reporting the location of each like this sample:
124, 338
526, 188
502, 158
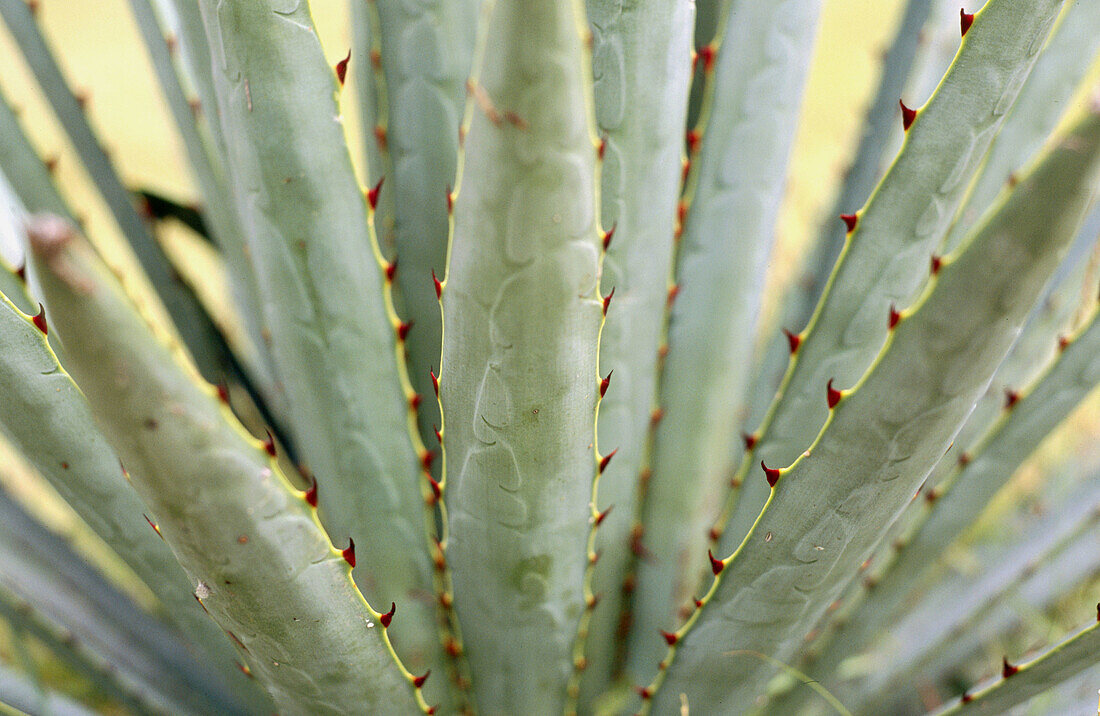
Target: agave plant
508, 418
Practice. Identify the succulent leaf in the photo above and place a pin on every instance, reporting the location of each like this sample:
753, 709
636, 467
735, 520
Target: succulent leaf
1071, 378
884, 436
641, 64
518, 389
50, 591
1049, 89
972, 608
1020, 682
70, 452
24, 696
741, 170
900, 226
426, 50
333, 333
257, 557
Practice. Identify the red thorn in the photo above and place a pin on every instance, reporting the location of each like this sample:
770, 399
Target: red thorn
391, 270
793, 340
895, 316
438, 287
414, 401
698, 603
706, 53
601, 148
966, 698
372, 194
832, 395
685, 170
386, 618
1063, 343
771, 473
427, 459
932, 495
964, 459
450, 200
673, 292
608, 235
39, 320
269, 443
349, 553
716, 565
644, 692
21, 272
153, 525
693, 138
655, 416
592, 601
342, 69
606, 459
1008, 669
907, 116
403, 330
435, 381
605, 383
850, 221
223, 393
714, 535
937, 264
600, 516
437, 489
637, 547
965, 20
311, 494
670, 637
438, 434
1011, 398
419, 680
750, 440
431, 711
381, 136
607, 300
438, 560
681, 213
